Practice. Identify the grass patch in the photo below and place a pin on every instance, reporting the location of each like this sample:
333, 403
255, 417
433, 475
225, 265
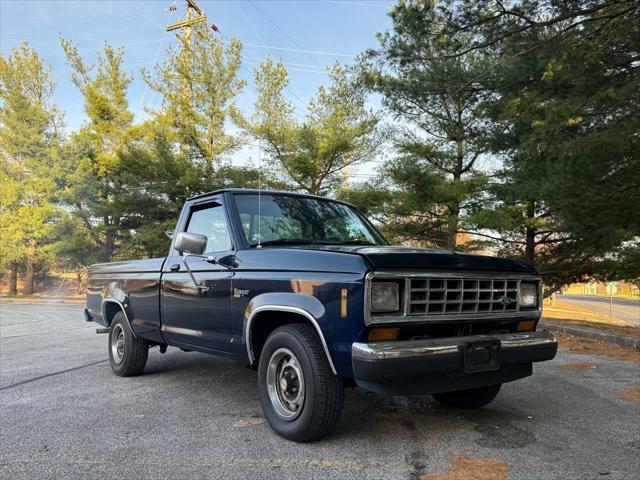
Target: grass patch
584, 346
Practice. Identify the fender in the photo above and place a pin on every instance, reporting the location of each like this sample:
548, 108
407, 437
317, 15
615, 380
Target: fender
305, 305
121, 306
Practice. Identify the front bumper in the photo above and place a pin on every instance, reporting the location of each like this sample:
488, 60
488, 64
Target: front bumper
433, 365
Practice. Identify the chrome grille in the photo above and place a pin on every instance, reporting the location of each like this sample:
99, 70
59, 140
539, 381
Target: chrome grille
459, 296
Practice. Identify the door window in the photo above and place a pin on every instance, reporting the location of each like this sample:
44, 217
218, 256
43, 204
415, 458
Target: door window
212, 223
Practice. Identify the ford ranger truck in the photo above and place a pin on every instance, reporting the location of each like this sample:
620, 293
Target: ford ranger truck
306, 291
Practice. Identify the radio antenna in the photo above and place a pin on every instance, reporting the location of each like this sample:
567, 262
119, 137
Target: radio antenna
259, 197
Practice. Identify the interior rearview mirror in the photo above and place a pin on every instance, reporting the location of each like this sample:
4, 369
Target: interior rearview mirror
191, 243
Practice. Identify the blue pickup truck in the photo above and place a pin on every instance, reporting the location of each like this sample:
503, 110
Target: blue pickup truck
306, 291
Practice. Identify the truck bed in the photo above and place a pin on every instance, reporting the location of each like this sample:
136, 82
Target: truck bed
140, 279
131, 266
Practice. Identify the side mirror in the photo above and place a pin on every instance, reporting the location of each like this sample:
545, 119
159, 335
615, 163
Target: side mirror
191, 243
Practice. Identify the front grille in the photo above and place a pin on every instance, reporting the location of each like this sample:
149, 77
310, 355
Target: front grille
460, 296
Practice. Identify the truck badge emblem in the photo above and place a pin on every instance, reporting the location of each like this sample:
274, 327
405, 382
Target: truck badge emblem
237, 293
504, 300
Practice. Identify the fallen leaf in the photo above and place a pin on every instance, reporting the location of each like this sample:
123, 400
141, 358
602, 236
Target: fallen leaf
469, 468
630, 394
248, 422
579, 366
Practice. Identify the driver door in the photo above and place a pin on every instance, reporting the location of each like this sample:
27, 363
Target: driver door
199, 314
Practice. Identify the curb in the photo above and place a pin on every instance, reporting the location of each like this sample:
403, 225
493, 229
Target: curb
41, 301
618, 338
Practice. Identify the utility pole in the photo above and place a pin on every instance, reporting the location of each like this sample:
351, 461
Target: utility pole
195, 15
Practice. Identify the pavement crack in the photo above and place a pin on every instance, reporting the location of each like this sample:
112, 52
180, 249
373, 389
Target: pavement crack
52, 374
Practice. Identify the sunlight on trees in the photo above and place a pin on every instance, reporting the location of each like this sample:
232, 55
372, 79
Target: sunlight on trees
337, 132
509, 128
29, 150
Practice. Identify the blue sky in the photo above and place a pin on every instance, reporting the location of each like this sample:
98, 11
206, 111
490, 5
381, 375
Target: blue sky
328, 30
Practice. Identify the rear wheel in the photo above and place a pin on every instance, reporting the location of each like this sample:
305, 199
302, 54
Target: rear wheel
301, 397
127, 353
469, 399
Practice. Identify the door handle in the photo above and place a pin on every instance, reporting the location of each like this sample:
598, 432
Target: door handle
175, 267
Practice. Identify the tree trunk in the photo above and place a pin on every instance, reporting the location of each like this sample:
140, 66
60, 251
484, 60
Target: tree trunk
530, 236
208, 173
13, 278
81, 276
31, 262
109, 243
452, 228
314, 187
453, 216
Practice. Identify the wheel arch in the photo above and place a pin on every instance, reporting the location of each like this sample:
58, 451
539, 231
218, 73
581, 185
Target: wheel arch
263, 315
110, 307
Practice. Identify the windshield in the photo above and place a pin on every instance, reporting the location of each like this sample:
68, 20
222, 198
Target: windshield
289, 220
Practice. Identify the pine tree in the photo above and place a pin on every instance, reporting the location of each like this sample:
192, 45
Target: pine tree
565, 107
198, 84
337, 132
112, 175
441, 130
29, 147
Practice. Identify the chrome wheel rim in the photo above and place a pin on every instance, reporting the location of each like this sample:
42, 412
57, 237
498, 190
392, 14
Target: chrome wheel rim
117, 344
285, 384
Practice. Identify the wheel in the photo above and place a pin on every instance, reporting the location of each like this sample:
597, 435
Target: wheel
469, 399
127, 354
301, 397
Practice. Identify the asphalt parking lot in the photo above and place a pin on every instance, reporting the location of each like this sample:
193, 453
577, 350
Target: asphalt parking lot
65, 415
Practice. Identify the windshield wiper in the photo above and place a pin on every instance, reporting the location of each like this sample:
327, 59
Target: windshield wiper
288, 241
306, 241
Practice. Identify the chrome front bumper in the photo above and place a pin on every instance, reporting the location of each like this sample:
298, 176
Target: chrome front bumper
450, 362
443, 346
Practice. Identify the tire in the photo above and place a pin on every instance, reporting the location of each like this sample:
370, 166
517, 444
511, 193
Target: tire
318, 394
469, 399
127, 354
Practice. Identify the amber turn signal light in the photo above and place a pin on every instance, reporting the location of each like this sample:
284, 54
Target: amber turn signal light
384, 334
526, 325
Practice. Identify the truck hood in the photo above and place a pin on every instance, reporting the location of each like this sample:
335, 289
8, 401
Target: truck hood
391, 257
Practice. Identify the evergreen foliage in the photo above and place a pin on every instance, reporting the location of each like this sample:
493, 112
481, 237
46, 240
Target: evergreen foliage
337, 132
515, 122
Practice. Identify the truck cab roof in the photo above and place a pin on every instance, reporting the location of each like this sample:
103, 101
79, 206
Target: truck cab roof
256, 191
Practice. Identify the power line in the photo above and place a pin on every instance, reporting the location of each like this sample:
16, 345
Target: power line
360, 4
252, 45
321, 72
57, 27
251, 61
293, 40
304, 65
295, 91
295, 96
345, 170
123, 45
257, 33
300, 50
155, 59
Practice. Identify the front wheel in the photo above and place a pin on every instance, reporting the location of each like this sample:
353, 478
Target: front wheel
127, 353
301, 397
469, 399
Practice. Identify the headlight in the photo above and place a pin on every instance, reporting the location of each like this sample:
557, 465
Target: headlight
528, 295
385, 297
